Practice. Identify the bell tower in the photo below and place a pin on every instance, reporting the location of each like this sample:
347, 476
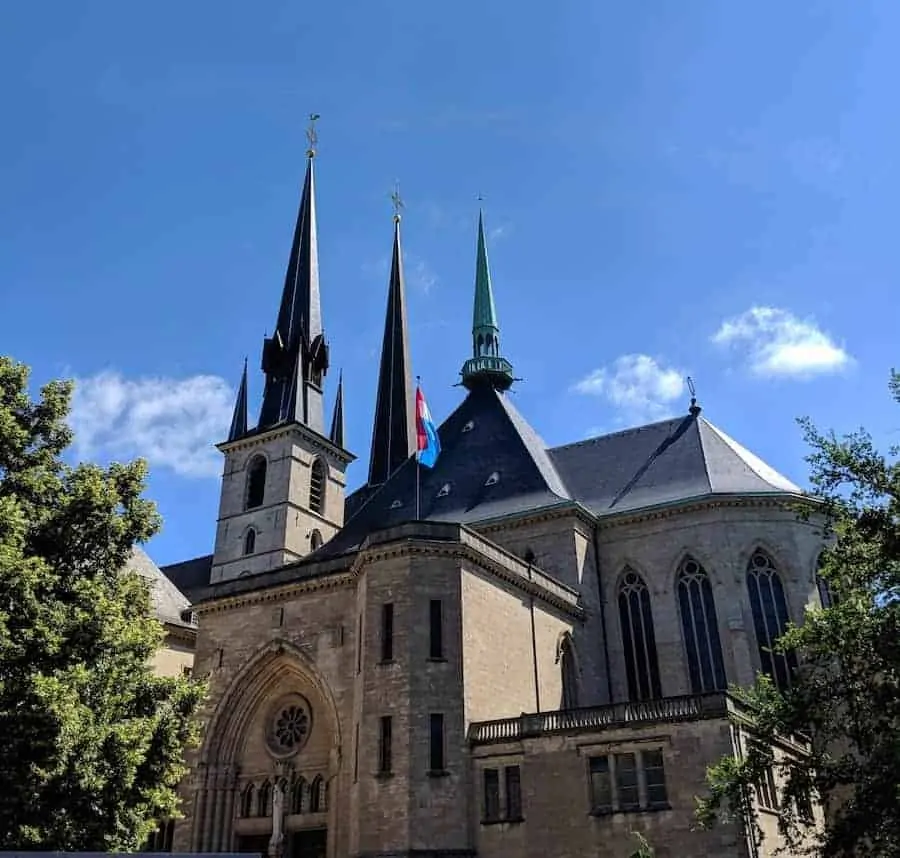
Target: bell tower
284, 480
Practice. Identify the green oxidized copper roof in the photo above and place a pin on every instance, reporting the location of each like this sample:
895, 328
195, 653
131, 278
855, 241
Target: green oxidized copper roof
485, 315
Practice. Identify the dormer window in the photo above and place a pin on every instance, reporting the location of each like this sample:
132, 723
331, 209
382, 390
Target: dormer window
469, 426
445, 490
493, 479
397, 504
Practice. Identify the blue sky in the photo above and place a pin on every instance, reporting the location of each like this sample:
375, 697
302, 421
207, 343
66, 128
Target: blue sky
671, 187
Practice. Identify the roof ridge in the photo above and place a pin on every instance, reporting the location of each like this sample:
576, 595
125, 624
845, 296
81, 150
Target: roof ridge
595, 438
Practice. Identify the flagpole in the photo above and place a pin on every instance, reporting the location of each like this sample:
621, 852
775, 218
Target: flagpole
418, 466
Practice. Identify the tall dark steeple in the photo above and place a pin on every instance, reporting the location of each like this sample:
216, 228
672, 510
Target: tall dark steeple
239, 418
487, 365
394, 432
337, 418
295, 357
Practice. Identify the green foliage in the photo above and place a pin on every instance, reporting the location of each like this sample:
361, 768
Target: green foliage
846, 701
91, 741
644, 850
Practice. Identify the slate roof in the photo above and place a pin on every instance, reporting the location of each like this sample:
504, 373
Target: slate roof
168, 601
190, 576
485, 435
662, 463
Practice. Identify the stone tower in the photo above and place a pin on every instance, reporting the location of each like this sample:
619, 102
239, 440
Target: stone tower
284, 480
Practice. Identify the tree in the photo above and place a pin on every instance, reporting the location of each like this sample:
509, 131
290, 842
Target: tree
91, 741
845, 700
644, 849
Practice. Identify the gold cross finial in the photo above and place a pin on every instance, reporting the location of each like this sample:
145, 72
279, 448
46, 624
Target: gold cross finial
397, 202
312, 138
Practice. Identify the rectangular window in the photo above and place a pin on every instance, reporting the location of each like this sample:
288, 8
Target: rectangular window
359, 635
437, 629
513, 793
436, 742
655, 778
491, 795
356, 755
387, 632
627, 782
384, 746
601, 785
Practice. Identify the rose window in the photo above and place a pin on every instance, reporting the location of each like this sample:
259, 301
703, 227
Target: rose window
291, 726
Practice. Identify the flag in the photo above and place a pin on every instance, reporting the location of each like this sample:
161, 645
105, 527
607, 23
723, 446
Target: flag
428, 445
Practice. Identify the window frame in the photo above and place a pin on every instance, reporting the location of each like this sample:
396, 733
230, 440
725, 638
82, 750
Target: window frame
385, 745
436, 648
605, 773
437, 741
387, 632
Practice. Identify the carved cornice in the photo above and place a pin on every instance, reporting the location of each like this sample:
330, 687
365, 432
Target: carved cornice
313, 439
468, 545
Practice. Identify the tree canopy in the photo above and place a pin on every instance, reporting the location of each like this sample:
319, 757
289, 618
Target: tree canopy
845, 698
91, 741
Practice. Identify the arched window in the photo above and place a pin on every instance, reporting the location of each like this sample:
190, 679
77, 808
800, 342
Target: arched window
256, 482
569, 674
638, 639
315, 540
317, 795
247, 800
700, 628
298, 796
250, 541
826, 596
264, 800
770, 617
317, 477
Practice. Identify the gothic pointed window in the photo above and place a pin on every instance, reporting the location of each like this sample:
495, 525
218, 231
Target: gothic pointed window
315, 540
317, 478
569, 675
247, 804
264, 800
700, 628
826, 595
298, 796
317, 795
770, 618
250, 541
256, 482
638, 638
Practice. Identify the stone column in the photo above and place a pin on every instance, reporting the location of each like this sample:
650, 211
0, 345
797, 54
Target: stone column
197, 832
226, 844
219, 812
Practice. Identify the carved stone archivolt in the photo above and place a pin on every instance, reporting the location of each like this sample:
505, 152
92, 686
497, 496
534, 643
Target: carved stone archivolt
288, 725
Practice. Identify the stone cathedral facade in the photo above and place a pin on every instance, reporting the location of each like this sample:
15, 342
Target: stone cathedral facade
530, 659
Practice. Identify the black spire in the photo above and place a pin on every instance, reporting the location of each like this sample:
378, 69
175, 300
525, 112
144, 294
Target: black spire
393, 433
239, 418
295, 357
337, 418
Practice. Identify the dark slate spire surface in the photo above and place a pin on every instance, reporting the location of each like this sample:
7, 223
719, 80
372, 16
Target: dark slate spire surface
487, 364
337, 418
239, 418
393, 431
295, 357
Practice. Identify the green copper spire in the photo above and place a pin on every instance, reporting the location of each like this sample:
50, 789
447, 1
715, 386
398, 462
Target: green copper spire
487, 365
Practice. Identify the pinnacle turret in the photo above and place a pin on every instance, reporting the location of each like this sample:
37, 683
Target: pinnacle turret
487, 364
239, 418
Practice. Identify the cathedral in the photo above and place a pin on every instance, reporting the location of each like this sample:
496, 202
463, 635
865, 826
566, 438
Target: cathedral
522, 651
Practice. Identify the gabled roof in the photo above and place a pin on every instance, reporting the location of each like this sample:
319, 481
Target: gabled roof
190, 576
167, 600
674, 460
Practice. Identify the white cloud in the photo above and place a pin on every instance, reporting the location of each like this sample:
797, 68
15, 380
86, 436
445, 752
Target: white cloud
173, 423
638, 386
418, 274
777, 343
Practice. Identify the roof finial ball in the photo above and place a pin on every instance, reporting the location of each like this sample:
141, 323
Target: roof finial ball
695, 409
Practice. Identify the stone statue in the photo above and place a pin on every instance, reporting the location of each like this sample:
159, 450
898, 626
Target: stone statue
276, 842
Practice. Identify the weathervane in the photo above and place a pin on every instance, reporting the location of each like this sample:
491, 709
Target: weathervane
312, 138
694, 409
397, 202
